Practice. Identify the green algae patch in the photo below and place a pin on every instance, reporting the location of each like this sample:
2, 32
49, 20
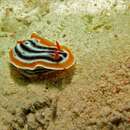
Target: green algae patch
97, 23
88, 18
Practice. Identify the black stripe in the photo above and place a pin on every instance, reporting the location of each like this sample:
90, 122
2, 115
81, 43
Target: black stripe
26, 48
36, 71
48, 49
38, 46
36, 57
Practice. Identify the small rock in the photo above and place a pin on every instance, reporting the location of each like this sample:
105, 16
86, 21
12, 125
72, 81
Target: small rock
105, 111
39, 118
43, 114
39, 128
115, 120
20, 121
126, 107
128, 63
31, 121
91, 121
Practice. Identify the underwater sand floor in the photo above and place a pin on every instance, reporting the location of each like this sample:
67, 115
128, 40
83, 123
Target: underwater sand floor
96, 94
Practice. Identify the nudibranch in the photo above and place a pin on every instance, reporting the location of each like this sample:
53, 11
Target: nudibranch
39, 55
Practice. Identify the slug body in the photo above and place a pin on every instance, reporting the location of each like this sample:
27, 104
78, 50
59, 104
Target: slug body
38, 55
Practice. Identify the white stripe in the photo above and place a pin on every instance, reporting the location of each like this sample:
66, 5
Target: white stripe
29, 45
26, 53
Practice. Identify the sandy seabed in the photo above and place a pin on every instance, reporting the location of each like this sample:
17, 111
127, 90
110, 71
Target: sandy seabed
95, 94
